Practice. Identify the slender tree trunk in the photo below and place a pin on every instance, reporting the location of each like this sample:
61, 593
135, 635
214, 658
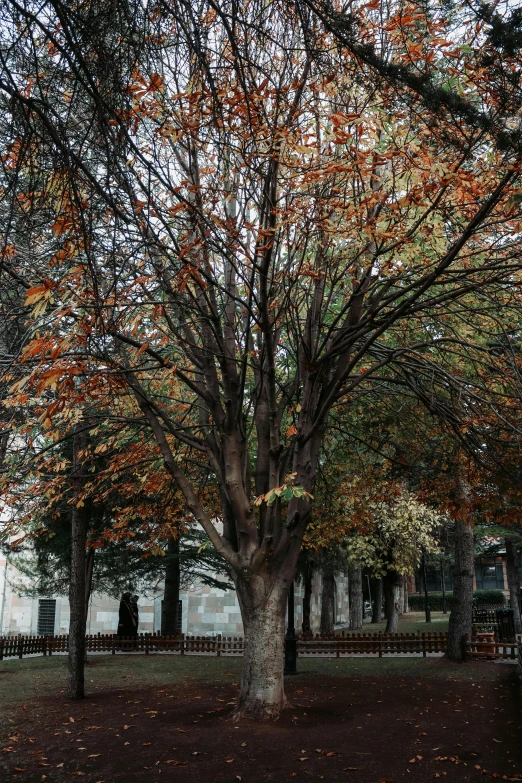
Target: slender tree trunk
460, 621
405, 605
307, 598
327, 602
391, 601
512, 569
170, 608
377, 600
355, 593
263, 609
77, 584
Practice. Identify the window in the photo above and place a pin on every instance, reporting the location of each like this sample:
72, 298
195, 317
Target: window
489, 573
46, 615
433, 580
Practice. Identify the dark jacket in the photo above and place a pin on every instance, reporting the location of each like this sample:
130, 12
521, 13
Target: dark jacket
127, 624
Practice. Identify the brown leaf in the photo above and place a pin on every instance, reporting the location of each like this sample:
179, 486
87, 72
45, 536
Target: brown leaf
175, 763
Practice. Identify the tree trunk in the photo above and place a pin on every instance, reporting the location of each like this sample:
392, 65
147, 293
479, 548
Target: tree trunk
512, 569
405, 606
170, 608
261, 694
391, 601
77, 584
355, 594
460, 620
327, 602
307, 598
377, 600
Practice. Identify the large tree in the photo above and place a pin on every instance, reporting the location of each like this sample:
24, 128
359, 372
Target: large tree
235, 222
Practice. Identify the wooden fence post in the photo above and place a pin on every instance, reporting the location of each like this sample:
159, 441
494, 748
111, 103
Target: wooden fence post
380, 645
182, 644
20, 646
423, 637
1, 648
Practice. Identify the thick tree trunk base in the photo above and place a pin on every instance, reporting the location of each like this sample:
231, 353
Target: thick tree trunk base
262, 694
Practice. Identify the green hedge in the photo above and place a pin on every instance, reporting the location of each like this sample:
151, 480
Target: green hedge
481, 597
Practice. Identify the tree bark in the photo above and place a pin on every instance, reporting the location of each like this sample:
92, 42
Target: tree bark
355, 594
307, 598
263, 608
512, 570
405, 606
327, 602
377, 600
460, 621
170, 608
391, 601
77, 584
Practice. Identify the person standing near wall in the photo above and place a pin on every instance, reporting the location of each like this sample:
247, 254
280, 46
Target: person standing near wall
127, 624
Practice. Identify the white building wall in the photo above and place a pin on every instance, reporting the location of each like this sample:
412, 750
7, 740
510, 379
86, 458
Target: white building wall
206, 611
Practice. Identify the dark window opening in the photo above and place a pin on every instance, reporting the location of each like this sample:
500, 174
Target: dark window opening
46, 616
489, 573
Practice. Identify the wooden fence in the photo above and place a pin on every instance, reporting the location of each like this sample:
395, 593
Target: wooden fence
492, 650
317, 646
352, 644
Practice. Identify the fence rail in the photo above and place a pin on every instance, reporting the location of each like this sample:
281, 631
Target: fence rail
476, 650
320, 645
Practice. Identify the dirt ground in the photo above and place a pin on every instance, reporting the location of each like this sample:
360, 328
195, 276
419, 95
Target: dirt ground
363, 721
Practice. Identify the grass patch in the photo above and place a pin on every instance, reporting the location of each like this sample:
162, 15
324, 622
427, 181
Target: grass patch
413, 622
32, 678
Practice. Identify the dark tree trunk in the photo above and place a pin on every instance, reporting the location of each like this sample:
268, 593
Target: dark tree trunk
460, 620
355, 593
169, 613
391, 601
377, 600
512, 569
327, 602
77, 584
405, 604
307, 598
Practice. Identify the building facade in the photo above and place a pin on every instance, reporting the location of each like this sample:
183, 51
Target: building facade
205, 611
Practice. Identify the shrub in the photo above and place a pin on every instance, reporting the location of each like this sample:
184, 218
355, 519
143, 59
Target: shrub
481, 598
495, 597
